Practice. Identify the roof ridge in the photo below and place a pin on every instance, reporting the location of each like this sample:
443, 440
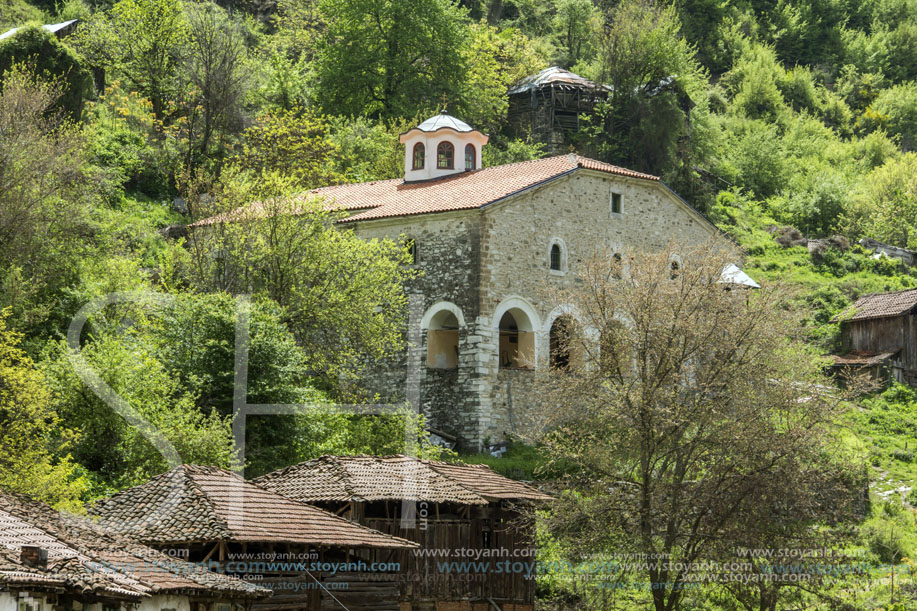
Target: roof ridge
196, 487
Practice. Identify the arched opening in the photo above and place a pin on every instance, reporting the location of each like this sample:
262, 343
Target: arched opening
443, 341
419, 155
445, 156
560, 341
517, 341
469, 157
556, 257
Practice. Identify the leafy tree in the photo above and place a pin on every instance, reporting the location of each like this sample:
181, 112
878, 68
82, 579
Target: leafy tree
496, 60
43, 197
143, 41
342, 295
650, 70
575, 24
897, 108
389, 59
296, 144
115, 451
683, 417
887, 206
34, 442
52, 60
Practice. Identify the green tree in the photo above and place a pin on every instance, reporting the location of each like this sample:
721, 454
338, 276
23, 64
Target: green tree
115, 451
496, 60
44, 196
52, 60
897, 108
342, 295
143, 41
886, 209
651, 72
34, 442
296, 144
389, 59
575, 24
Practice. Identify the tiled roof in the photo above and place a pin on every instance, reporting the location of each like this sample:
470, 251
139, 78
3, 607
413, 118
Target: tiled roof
862, 357
549, 76
202, 504
86, 558
375, 478
462, 191
490, 485
880, 305
367, 478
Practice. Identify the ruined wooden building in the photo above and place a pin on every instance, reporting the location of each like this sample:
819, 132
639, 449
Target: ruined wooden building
54, 561
459, 514
550, 106
310, 558
879, 336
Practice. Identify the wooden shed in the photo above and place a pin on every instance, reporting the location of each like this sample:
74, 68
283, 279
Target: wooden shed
879, 335
551, 105
310, 558
477, 548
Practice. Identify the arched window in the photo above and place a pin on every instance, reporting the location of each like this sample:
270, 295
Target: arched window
517, 341
419, 154
617, 265
674, 266
445, 156
560, 340
443, 341
556, 257
469, 157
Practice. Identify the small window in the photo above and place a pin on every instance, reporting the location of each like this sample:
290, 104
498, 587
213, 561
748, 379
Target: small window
616, 203
469, 157
419, 153
675, 266
412, 252
445, 156
618, 265
556, 257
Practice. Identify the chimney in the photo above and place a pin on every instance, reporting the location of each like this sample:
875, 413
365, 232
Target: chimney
32, 555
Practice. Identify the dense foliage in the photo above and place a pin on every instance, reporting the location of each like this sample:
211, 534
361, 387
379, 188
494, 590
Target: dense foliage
786, 121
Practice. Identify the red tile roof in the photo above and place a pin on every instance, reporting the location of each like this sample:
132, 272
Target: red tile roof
86, 558
375, 478
463, 191
880, 305
203, 504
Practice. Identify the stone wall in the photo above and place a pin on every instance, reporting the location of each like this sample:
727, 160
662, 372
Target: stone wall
495, 260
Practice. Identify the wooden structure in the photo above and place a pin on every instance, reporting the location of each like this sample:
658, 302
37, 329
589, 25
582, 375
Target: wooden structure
879, 335
310, 558
476, 546
551, 105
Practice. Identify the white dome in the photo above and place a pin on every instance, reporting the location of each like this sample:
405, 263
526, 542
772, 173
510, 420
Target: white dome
443, 121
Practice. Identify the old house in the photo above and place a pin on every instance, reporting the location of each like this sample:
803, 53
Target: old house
310, 558
52, 561
449, 509
491, 243
551, 106
879, 336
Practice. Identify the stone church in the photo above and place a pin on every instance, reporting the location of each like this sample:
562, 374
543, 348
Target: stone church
488, 241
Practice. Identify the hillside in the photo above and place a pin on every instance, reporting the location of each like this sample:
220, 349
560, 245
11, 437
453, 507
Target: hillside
784, 121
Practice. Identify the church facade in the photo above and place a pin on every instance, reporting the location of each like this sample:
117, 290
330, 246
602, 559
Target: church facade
490, 243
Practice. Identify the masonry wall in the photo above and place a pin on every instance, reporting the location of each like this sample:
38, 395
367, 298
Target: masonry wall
497, 259
448, 249
515, 265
